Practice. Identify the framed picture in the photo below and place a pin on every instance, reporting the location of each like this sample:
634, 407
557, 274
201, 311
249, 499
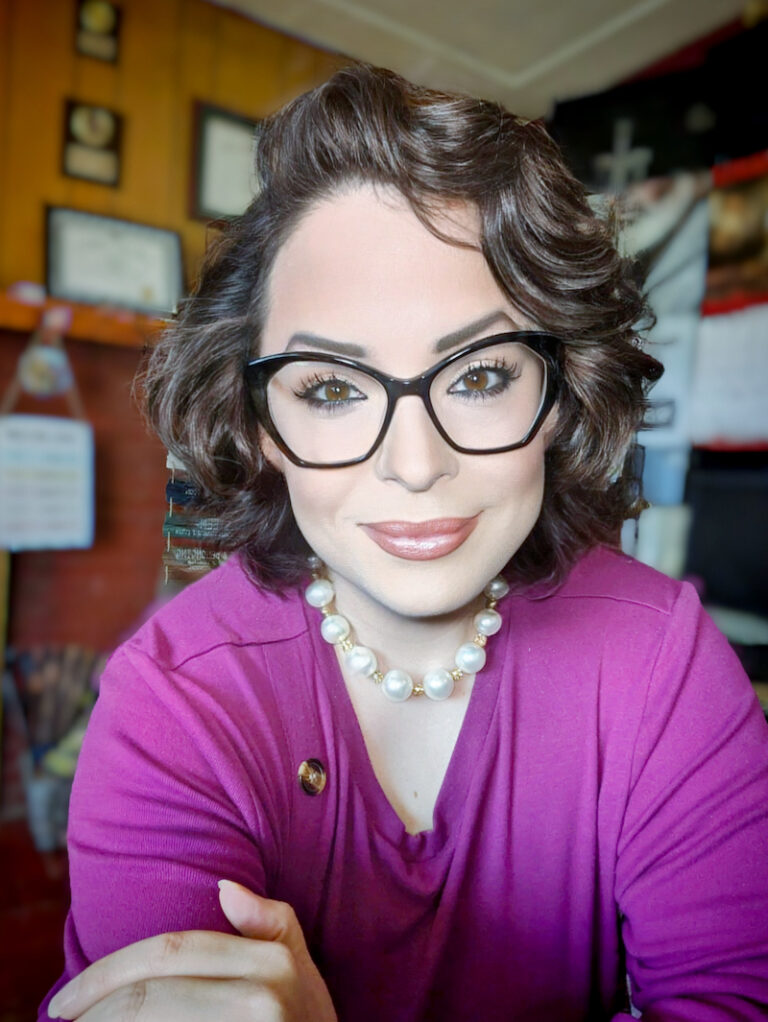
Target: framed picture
224, 177
97, 30
92, 137
101, 260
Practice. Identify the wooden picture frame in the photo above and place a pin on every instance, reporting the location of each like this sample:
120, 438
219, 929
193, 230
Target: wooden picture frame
102, 260
223, 175
92, 143
97, 30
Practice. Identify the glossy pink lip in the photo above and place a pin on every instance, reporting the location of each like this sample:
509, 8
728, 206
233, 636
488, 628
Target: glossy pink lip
421, 541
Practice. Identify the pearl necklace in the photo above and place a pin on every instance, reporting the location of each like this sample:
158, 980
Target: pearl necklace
397, 684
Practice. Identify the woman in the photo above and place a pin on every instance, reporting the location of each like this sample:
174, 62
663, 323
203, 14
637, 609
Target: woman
411, 369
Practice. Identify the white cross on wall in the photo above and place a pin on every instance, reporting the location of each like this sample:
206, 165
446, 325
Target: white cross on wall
624, 164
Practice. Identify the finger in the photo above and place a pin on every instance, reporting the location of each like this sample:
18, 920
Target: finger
194, 953
261, 918
186, 1000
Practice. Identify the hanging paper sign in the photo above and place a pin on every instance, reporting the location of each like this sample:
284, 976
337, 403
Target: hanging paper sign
46, 483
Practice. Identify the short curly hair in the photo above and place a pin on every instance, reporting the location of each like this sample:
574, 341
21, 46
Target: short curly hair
549, 252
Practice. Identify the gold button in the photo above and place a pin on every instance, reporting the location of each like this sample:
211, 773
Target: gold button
312, 776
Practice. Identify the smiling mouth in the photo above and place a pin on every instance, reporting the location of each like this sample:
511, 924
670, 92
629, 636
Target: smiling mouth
421, 541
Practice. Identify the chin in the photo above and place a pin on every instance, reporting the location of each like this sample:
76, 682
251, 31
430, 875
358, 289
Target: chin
424, 589
412, 606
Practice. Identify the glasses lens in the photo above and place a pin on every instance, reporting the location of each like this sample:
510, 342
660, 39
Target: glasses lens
326, 413
490, 398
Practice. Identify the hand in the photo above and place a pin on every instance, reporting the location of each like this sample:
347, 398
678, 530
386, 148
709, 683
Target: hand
203, 975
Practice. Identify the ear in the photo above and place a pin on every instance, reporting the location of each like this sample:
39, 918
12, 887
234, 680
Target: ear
270, 451
549, 426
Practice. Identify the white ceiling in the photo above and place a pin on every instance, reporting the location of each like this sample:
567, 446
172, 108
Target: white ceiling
525, 53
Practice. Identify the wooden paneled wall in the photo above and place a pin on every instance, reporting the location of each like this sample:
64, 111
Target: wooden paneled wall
172, 52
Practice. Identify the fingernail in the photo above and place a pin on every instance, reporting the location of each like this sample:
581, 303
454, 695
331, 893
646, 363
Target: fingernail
231, 885
63, 1000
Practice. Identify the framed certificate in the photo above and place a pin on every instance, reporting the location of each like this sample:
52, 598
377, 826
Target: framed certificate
97, 33
102, 260
224, 177
92, 137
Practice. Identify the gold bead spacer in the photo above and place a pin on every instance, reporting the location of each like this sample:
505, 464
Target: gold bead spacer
480, 640
347, 645
457, 674
418, 690
378, 677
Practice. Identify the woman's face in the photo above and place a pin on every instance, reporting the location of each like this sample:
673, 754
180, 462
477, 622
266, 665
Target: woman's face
361, 270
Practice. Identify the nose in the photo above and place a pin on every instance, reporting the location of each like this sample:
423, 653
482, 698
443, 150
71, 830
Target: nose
412, 452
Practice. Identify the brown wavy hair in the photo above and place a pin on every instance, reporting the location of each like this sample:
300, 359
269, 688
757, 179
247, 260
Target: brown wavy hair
548, 251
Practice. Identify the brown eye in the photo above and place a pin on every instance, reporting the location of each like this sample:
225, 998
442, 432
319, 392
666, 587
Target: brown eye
476, 380
483, 381
337, 391
330, 393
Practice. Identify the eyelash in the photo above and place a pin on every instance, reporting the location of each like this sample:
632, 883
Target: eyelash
304, 392
507, 372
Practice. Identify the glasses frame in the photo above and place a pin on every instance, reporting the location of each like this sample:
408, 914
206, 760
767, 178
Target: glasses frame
259, 372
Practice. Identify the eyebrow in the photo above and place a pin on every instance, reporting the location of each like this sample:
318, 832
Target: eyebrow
451, 340
466, 332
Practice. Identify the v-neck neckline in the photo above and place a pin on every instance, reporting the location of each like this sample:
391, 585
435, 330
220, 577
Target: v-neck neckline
467, 752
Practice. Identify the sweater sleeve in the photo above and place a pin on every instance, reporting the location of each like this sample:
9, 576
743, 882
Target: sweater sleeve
161, 809
692, 869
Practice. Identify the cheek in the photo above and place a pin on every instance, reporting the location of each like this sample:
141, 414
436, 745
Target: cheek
523, 475
515, 490
316, 498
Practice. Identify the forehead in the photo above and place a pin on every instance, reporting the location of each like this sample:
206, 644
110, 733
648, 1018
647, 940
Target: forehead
361, 267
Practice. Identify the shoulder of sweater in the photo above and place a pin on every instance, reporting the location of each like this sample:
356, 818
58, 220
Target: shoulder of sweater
225, 608
609, 575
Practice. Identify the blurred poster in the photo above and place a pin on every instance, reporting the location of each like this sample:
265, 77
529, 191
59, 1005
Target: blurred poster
738, 235
46, 483
730, 380
730, 372
664, 224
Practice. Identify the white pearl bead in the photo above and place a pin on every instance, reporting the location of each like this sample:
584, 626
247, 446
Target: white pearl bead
488, 622
496, 588
437, 684
362, 660
397, 685
334, 628
319, 592
470, 658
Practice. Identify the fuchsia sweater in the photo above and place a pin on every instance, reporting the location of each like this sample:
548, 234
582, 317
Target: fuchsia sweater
605, 811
